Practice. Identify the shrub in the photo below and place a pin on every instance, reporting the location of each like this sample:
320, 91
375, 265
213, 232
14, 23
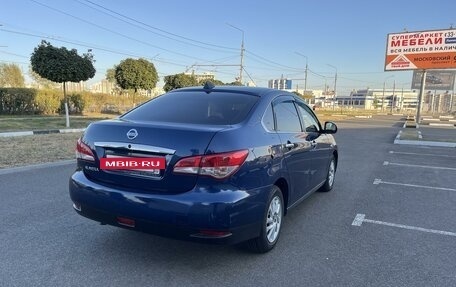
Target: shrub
31, 101
110, 104
48, 101
76, 104
14, 101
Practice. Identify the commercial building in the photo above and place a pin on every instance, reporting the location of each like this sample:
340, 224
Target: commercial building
380, 99
280, 84
397, 100
206, 76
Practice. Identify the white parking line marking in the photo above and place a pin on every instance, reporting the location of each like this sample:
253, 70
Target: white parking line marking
415, 165
360, 218
421, 154
379, 181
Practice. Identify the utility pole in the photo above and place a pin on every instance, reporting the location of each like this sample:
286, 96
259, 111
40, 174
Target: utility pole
305, 79
335, 86
384, 84
242, 52
242, 58
305, 73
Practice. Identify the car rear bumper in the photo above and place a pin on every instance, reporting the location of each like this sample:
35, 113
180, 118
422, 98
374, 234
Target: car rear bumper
203, 214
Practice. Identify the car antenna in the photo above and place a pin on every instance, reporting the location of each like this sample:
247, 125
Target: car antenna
208, 86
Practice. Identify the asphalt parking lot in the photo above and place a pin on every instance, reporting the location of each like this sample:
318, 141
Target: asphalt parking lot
409, 210
390, 221
435, 133
415, 186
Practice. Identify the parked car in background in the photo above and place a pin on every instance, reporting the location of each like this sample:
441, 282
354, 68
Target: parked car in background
208, 164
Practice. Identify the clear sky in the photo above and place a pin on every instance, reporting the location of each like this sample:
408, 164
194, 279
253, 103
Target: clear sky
347, 36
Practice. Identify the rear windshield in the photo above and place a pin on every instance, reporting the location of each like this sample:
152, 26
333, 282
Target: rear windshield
216, 108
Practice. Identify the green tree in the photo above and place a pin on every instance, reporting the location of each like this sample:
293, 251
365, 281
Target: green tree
61, 65
11, 76
235, 83
178, 81
214, 81
136, 74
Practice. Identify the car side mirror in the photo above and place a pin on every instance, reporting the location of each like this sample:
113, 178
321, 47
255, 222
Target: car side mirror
330, 128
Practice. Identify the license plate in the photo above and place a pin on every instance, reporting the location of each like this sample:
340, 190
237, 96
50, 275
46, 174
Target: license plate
151, 165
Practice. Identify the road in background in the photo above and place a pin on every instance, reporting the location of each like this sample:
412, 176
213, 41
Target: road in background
45, 243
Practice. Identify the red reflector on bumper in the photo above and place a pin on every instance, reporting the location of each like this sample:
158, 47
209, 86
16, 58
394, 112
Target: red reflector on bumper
125, 221
212, 233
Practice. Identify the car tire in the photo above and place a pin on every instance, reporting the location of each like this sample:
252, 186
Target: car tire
330, 176
272, 222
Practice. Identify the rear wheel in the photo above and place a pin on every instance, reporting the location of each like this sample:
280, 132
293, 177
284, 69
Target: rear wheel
272, 222
329, 183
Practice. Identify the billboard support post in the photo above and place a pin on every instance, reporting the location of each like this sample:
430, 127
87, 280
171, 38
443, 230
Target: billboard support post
420, 98
392, 97
451, 102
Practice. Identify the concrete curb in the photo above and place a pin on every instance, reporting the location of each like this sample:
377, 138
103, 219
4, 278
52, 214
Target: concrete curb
441, 125
398, 140
425, 143
36, 166
39, 132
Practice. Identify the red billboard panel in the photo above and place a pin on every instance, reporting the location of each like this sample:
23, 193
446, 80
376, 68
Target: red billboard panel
421, 50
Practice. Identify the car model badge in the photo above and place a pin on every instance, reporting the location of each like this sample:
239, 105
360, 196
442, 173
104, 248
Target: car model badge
132, 134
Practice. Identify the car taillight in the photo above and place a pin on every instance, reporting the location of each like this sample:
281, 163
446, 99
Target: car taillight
83, 151
218, 166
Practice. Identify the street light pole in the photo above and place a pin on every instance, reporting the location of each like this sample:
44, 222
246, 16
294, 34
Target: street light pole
242, 52
335, 86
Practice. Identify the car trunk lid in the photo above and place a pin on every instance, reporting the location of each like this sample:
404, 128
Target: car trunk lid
126, 139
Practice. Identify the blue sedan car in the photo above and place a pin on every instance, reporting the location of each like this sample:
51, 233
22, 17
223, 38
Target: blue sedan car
210, 164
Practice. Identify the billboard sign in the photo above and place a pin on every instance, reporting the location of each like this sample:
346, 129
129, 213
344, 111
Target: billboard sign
421, 50
435, 80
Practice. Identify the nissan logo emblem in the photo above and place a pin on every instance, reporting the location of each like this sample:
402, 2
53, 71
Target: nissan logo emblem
132, 134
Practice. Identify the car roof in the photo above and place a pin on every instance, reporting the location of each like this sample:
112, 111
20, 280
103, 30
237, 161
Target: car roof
255, 91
